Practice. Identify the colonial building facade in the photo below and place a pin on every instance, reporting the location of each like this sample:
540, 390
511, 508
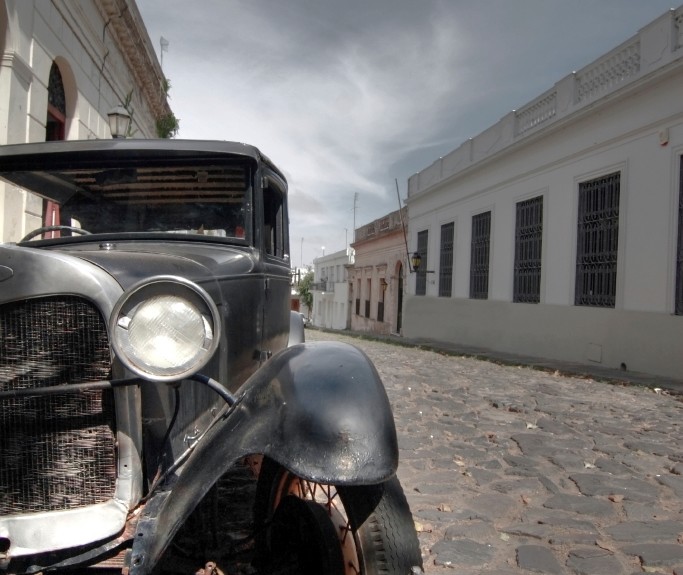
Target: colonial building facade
331, 290
378, 278
558, 232
65, 65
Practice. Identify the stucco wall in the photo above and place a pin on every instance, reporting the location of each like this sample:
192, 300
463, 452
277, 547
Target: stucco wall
641, 341
635, 129
381, 259
331, 290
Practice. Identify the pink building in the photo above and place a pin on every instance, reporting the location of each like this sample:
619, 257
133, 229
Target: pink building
378, 277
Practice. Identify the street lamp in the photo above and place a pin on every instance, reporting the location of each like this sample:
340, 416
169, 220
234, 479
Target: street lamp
119, 122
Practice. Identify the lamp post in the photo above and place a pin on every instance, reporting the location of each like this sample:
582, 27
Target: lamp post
119, 122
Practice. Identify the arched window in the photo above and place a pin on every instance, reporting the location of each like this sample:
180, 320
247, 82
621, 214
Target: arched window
54, 130
56, 106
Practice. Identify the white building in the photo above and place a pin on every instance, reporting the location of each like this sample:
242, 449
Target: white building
331, 290
65, 65
557, 232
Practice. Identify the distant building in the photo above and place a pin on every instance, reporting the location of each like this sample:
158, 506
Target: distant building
331, 290
296, 304
378, 277
558, 231
65, 65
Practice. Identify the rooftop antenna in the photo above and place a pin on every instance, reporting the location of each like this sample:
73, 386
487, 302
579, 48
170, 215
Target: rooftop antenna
164, 48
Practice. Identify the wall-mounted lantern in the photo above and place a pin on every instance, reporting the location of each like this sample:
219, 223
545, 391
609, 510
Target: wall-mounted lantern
415, 261
119, 122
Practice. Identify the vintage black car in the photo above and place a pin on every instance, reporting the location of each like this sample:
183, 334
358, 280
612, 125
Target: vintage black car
160, 410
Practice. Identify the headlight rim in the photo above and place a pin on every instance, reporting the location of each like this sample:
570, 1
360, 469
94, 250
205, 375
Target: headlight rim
164, 285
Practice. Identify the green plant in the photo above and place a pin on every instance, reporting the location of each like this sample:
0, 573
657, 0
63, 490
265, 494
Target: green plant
305, 295
168, 125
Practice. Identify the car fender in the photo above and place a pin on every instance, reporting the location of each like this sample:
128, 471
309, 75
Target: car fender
319, 409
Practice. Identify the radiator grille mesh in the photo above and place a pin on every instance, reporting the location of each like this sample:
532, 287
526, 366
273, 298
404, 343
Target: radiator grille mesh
57, 452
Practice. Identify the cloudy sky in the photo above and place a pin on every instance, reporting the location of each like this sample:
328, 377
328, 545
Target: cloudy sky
350, 96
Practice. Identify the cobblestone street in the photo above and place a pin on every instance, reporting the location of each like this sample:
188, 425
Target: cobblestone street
511, 470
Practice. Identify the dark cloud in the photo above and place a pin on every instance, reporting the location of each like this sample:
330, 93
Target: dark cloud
349, 96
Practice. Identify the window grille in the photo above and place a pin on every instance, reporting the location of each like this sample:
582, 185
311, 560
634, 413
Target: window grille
446, 260
55, 120
597, 241
358, 299
679, 255
479, 264
528, 244
55, 90
368, 297
421, 279
380, 311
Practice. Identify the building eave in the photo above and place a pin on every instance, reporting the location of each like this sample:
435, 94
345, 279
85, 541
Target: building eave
130, 34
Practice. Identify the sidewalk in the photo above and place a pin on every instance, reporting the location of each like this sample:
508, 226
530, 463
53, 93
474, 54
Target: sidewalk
589, 371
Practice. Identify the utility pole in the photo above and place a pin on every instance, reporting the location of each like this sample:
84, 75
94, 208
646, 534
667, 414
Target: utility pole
355, 205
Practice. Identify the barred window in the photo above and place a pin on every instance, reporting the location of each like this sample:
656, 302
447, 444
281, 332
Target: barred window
446, 260
528, 244
56, 106
479, 263
597, 241
368, 296
421, 279
679, 255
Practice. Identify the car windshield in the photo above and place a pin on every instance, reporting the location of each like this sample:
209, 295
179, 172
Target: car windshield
195, 198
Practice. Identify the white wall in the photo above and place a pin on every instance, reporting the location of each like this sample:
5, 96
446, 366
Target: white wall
330, 305
636, 129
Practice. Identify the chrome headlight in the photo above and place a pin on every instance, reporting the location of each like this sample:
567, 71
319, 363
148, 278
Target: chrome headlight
165, 328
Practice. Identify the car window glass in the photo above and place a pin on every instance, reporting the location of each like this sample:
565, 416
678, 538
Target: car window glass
209, 200
274, 222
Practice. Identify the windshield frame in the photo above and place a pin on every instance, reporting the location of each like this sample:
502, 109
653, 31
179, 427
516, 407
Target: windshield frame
37, 174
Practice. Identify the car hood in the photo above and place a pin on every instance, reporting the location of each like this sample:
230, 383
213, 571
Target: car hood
131, 262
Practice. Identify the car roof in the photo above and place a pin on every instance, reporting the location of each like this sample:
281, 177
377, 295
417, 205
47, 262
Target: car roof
15, 157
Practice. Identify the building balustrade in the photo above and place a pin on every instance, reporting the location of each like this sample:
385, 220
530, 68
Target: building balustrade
654, 47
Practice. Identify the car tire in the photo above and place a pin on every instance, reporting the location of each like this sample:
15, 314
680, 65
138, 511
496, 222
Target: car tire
316, 528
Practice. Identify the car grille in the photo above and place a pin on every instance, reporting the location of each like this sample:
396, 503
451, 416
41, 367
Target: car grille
57, 452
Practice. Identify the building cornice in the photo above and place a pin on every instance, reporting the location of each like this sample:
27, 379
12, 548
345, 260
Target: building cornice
128, 31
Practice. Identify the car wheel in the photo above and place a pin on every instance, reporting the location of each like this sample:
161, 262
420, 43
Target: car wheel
311, 528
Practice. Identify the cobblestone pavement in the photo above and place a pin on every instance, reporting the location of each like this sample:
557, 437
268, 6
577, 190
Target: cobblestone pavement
511, 470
